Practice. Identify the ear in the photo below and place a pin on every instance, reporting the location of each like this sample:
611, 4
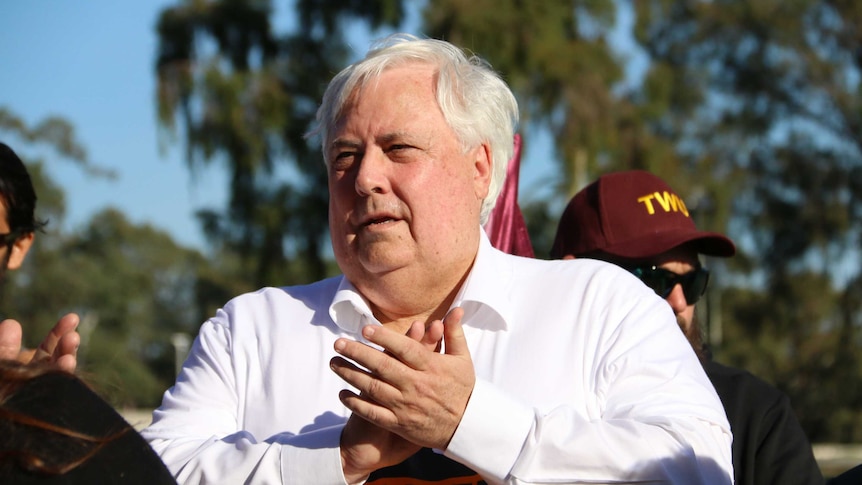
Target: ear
19, 250
568, 256
482, 174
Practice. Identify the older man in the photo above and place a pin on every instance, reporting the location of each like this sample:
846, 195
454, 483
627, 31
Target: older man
436, 358
635, 220
18, 227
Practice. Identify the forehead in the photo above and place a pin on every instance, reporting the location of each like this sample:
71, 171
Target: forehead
400, 102
684, 254
408, 87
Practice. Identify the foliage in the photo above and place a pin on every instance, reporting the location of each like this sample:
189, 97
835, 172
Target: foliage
762, 99
246, 96
751, 109
56, 132
131, 284
133, 288
552, 56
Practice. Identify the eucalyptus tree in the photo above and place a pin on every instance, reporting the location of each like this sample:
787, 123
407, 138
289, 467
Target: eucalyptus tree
244, 94
762, 99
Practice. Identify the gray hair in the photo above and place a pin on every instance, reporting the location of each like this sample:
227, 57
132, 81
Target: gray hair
476, 103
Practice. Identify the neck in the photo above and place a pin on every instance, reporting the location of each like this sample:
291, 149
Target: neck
398, 300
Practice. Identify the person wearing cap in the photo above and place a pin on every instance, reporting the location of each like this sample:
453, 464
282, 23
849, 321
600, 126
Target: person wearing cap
633, 219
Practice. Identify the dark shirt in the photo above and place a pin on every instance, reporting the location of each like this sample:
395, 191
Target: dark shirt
65, 401
769, 445
426, 467
852, 476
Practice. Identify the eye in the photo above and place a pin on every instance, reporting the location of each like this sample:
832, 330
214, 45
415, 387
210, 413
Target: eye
343, 160
401, 152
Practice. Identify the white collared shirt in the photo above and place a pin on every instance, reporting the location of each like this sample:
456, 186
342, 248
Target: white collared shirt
582, 377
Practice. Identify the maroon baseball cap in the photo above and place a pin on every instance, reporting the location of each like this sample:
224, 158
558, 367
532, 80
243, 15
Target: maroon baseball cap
631, 215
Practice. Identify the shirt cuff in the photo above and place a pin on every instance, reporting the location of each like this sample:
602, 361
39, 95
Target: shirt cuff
314, 458
492, 432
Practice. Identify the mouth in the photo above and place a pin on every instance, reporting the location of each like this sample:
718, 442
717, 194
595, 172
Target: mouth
377, 220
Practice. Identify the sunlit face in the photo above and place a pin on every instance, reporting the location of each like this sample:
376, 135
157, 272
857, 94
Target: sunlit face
679, 260
404, 195
11, 256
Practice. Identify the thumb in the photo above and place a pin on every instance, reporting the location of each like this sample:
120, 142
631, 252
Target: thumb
453, 333
10, 339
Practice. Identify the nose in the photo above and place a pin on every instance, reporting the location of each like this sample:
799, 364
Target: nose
676, 299
371, 174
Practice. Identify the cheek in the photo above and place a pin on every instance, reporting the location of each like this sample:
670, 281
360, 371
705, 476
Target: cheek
339, 208
341, 192
687, 316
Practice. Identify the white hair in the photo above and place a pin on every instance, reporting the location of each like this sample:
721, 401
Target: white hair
476, 103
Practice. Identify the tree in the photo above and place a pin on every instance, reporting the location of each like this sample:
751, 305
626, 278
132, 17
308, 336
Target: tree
556, 59
246, 96
131, 284
762, 99
751, 109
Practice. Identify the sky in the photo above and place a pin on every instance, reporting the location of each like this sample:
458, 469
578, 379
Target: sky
92, 63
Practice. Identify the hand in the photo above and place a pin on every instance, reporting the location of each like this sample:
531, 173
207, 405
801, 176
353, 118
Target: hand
59, 348
408, 390
366, 447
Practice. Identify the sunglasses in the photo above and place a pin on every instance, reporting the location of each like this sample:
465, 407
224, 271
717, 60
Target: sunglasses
663, 281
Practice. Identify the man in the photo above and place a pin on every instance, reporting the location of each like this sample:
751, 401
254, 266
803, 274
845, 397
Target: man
436, 358
635, 220
18, 227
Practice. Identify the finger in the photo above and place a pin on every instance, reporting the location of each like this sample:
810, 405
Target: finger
366, 356
67, 323
368, 410
350, 372
67, 363
10, 339
405, 350
66, 353
416, 331
453, 333
369, 385
430, 335
433, 335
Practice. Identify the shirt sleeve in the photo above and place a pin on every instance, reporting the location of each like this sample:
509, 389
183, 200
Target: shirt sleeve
657, 418
195, 429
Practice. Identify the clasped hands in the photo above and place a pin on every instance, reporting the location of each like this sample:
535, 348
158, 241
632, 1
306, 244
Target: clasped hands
59, 348
411, 395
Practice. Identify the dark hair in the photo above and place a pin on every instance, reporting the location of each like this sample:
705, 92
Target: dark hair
17, 194
48, 448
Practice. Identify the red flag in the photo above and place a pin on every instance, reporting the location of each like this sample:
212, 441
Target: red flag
506, 227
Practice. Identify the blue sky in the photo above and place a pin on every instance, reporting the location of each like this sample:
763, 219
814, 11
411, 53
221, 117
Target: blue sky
92, 63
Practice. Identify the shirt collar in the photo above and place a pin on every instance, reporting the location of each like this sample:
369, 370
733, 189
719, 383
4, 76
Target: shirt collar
485, 295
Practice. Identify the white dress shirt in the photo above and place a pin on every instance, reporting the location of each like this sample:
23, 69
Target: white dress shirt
582, 377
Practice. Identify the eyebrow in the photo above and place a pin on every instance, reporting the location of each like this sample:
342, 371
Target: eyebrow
341, 143
383, 139
398, 135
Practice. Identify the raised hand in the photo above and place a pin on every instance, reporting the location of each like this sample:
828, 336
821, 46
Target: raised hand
366, 447
59, 347
408, 390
